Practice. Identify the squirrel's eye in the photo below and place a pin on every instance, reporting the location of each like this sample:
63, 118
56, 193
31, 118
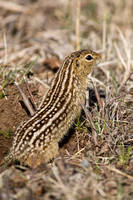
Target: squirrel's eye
89, 57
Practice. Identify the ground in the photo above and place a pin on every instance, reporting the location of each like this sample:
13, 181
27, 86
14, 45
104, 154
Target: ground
95, 159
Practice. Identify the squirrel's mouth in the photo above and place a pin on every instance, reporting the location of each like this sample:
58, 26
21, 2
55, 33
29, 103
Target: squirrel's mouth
98, 61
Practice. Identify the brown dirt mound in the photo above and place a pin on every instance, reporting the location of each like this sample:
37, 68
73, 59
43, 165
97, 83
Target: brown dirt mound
12, 113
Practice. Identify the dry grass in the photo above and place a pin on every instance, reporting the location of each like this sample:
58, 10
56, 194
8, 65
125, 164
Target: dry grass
99, 163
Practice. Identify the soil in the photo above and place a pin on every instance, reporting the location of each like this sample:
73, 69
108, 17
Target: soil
12, 113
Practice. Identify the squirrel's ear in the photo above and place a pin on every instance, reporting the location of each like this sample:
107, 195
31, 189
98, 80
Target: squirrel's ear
77, 63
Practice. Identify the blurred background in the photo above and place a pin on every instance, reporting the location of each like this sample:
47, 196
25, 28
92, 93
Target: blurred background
46, 28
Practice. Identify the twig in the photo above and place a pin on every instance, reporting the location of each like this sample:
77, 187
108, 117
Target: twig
87, 99
76, 154
7, 5
104, 33
5, 45
112, 101
109, 62
120, 56
96, 80
78, 147
32, 98
120, 114
119, 172
128, 54
26, 101
44, 84
114, 113
97, 96
125, 83
106, 103
88, 116
78, 25
127, 63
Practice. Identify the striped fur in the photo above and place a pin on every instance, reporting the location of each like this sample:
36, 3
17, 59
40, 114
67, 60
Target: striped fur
39, 135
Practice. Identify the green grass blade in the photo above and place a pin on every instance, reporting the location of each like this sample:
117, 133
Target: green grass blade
2, 70
2, 133
27, 70
3, 84
114, 82
3, 93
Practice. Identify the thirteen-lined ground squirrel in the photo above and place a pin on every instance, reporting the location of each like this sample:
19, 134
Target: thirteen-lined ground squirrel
39, 135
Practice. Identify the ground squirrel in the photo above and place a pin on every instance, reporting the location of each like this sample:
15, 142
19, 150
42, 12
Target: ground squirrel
40, 134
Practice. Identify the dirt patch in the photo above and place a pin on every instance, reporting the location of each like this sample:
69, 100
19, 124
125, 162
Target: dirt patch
12, 113
5, 144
